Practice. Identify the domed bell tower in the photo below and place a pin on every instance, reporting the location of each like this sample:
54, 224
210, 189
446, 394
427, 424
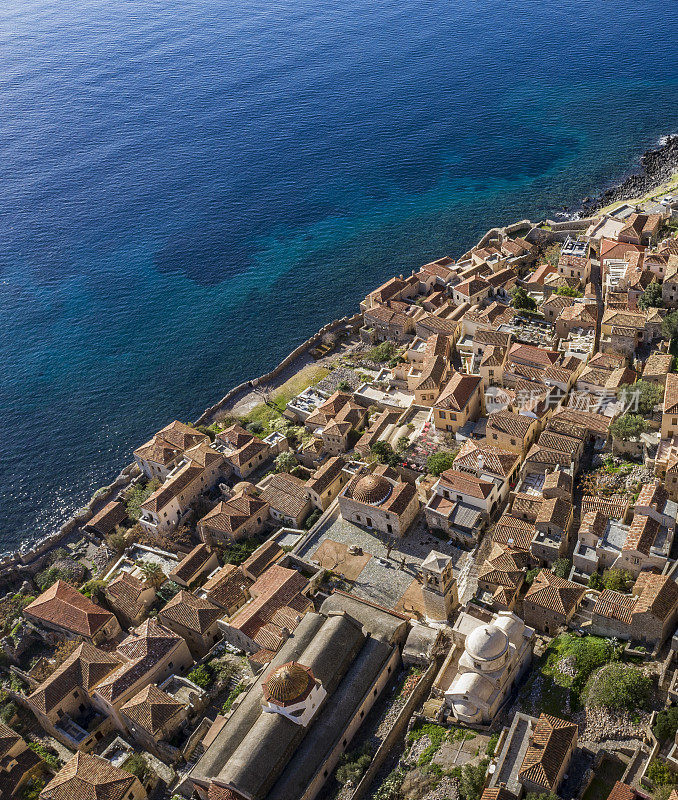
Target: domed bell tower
439, 589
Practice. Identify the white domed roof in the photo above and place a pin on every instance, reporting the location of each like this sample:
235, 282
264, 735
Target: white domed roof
486, 643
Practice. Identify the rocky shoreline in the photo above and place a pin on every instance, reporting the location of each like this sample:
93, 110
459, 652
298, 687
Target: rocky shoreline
657, 167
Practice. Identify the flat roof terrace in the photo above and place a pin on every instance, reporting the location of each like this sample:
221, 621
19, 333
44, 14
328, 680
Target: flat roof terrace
387, 582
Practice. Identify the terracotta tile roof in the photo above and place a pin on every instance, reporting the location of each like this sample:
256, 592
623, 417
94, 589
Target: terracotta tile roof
124, 594
286, 494
544, 455
671, 394
192, 564
463, 483
554, 593
222, 792
653, 495
621, 791
493, 459
493, 356
227, 587
625, 319
526, 505
513, 531
276, 588
550, 742
173, 487
594, 423
607, 361
642, 534
593, 523
86, 667
497, 793
191, 612
230, 515
89, 777
658, 364
8, 740
15, 771
325, 476
482, 336
535, 356
472, 286
560, 442
509, 423
143, 650
151, 709
614, 507
400, 498
459, 390
105, 520
555, 511
557, 302
615, 605
657, 594
392, 287
64, 607
262, 558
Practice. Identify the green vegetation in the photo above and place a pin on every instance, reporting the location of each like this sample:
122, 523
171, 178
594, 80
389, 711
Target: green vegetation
43, 580
237, 552
641, 396
521, 299
285, 461
236, 692
569, 291
670, 326
628, 426
312, 518
617, 580
618, 686
137, 495
383, 352
491, 746
661, 775
94, 589
438, 462
473, 779
32, 789
536, 796
402, 444
651, 297
344, 386
390, 788
531, 574
667, 724
352, 766
608, 773
137, 765
152, 572
202, 676
561, 567
552, 254
596, 582
49, 758
384, 454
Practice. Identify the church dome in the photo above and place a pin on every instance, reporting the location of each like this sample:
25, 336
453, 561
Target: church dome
487, 643
288, 684
372, 489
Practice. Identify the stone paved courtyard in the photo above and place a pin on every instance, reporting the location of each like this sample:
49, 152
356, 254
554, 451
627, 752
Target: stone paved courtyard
382, 580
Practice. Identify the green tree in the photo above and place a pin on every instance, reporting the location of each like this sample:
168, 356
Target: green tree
670, 325
552, 254
651, 297
618, 686
521, 299
383, 352
285, 461
661, 774
617, 580
561, 567
311, 519
628, 426
641, 396
385, 454
472, 779
568, 291
202, 676
531, 574
137, 495
438, 462
596, 582
152, 572
352, 767
402, 444
344, 386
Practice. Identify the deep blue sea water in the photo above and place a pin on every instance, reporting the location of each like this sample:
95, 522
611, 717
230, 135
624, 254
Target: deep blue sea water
188, 190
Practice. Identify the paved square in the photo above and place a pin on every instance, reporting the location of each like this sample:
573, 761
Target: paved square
335, 556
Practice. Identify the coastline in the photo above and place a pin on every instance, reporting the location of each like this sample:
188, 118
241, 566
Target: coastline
659, 171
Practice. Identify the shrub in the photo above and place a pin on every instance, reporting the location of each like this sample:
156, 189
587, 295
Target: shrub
641, 396
521, 299
531, 574
236, 692
390, 788
492, 744
383, 352
660, 774
438, 462
402, 444
202, 676
472, 779
537, 796
344, 386
568, 291
285, 461
667, 724
32, 789
312, 518
137, 495
137, 765
618, 686
49, 758
352, 767
596, 582
651, 297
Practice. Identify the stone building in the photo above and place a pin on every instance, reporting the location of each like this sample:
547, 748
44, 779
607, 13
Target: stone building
326, 482
90, 776
440, 586
551, 602
194, 619
380, 500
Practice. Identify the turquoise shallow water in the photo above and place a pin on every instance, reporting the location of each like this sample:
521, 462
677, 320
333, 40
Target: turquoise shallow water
189, 190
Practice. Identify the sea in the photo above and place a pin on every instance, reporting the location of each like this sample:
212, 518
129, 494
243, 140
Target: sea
190, 189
